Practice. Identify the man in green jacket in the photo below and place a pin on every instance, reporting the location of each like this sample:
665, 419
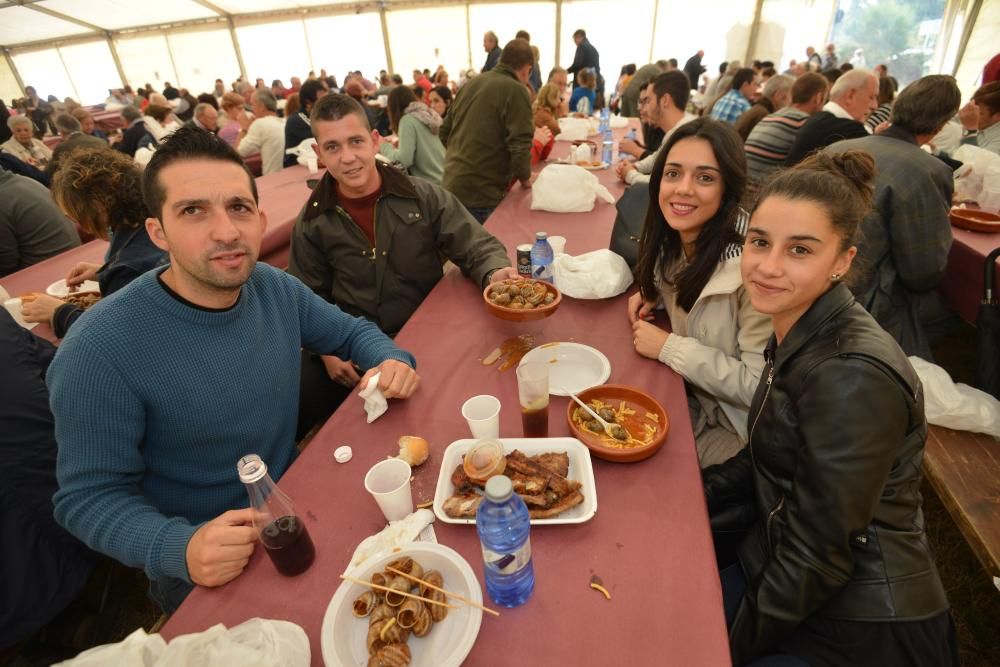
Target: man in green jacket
488, 133
372, 241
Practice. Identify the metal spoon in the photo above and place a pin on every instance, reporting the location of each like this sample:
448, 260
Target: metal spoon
590, 411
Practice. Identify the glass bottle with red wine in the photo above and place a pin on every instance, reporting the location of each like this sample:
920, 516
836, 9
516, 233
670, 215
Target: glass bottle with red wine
281, 530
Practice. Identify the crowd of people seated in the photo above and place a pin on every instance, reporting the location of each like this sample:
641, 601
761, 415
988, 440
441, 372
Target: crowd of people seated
794, 230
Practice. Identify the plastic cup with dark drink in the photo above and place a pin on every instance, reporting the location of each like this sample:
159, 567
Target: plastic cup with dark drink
533, 394
281, 530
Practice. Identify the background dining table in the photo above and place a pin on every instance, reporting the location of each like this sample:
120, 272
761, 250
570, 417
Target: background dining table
649, 541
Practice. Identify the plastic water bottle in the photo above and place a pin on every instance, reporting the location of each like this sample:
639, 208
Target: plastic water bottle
605, 124
583, 105
504, 527
631, 135
608, 147
541, 258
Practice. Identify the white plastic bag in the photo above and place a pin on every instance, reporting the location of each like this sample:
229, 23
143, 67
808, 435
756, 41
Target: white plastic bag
254, 643
304, 153
576, 129
567, 188
956, 406
978, 179
600, 274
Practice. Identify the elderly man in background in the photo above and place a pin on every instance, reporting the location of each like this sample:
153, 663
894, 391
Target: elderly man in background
772, 138
23, 145
731, 106
645, 74
852, 98
668, 96
264, 133
72, 138
491, 44
586, 57
135, 130
776, 95
488, 133
205, 118
907, 236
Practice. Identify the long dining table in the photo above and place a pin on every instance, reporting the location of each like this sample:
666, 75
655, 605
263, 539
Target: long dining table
962, 287
649, 541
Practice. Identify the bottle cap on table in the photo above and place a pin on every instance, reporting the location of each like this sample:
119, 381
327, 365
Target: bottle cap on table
343, 454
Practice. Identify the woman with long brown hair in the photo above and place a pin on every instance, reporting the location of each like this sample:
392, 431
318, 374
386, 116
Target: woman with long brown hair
100, 190
418, 148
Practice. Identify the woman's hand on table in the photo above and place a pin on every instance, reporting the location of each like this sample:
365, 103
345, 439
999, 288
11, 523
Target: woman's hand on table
648, 339
340, 371
397, 380
639, 309
219, 550
80, 272
37, 307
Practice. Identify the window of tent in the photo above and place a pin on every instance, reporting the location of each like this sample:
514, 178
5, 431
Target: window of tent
20, 25
425, 38
115, 14
145, 59
614, 30
724, 39
9, 90
981, 47
44, 71
275, 50
901, 34
344, 43
788, 27
92, 70
537, 18
201, 57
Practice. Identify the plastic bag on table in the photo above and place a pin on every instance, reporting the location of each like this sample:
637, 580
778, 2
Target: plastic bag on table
956, 406
617, 122
567, 188
136, 650
576, 129
980, 171
304, 153
600, 274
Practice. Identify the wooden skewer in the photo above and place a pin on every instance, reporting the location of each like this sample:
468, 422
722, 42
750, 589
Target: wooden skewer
441, 590
393, 590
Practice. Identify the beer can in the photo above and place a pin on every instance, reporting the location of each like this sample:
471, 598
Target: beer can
524, 260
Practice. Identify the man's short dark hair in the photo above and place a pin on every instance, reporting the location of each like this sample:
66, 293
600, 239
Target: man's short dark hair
925, 105
808, 86
397, 79
187, 143
130, 114
516, 54
66, 123
580, 33
742, 76
523, 34
311, 91
336, 106
673, 62
676, 84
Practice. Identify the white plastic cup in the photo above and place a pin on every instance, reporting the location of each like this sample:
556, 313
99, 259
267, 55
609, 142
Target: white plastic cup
483, 415
389, 483
312, 162
558, 244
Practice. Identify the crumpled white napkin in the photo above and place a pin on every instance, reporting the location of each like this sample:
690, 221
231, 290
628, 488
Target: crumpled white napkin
396, 534
375, 403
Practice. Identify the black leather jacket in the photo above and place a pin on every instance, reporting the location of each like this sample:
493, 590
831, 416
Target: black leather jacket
832, 470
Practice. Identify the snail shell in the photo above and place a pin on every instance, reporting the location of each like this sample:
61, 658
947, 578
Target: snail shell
424, 622
373, 641
397, 584
364, 604
381, 613
432, 577
409, 612
391, 655
408, 566
437, 611
502, 299
382, 578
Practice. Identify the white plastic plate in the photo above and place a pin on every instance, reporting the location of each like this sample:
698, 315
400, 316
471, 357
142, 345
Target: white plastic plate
572, 366
59, 289
448, 643
580, 469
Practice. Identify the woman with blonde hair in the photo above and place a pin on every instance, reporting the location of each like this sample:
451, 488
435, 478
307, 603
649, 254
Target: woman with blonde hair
101, 190
232, 106
547, 108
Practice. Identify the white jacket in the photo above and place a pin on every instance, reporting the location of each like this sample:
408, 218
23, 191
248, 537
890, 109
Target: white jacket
724, 351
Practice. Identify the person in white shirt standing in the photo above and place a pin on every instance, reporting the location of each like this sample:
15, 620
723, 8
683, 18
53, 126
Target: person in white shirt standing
264, 133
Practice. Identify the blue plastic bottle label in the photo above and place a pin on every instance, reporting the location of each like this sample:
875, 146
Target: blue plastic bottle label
508, 563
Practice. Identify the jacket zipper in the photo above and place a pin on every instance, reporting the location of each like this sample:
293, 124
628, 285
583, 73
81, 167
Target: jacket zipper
767, 392
375, 226
770, 517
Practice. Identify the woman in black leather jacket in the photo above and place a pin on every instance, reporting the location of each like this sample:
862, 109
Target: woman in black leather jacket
836, 569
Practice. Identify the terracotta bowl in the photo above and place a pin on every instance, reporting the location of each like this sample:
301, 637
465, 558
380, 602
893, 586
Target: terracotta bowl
975, 220
521, 315
639, 401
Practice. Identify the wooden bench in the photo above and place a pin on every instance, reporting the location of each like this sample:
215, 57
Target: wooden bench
964, 469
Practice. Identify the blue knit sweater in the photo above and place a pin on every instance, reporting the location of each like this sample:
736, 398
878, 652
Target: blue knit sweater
155, 401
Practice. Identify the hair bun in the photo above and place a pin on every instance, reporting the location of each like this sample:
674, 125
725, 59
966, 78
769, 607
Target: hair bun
858, 167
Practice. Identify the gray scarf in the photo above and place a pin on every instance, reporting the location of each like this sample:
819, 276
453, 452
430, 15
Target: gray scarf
425, 115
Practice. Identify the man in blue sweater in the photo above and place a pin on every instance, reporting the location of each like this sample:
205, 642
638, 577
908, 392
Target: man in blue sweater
164, 385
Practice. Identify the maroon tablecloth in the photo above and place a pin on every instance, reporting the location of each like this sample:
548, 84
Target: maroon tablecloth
962, 287
37, 277
649, 541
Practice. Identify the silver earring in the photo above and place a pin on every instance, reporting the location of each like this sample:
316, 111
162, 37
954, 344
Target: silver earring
835, 277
